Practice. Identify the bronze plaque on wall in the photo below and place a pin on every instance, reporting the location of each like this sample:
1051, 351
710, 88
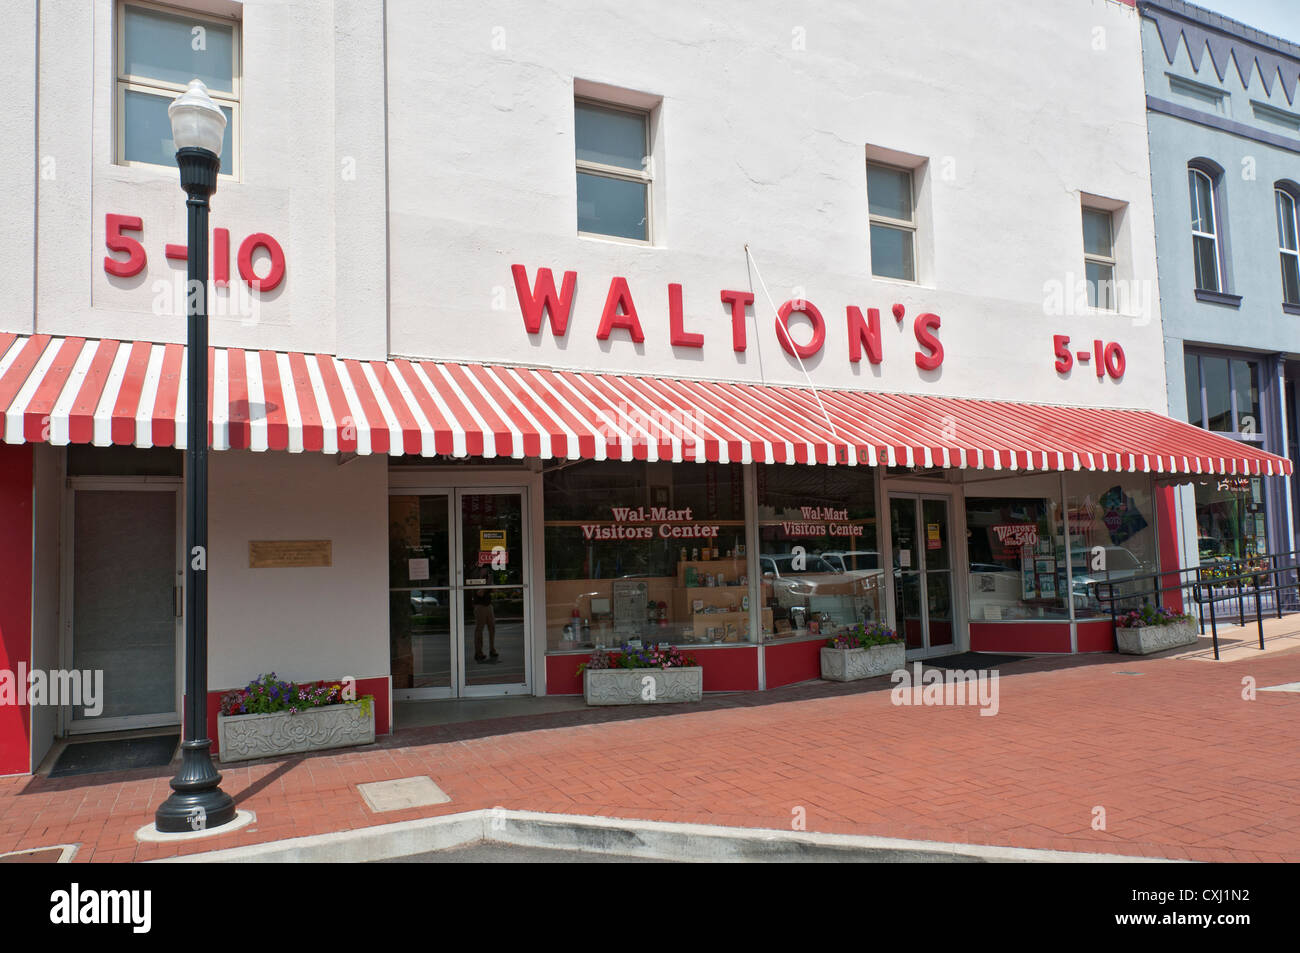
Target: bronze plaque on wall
284, 553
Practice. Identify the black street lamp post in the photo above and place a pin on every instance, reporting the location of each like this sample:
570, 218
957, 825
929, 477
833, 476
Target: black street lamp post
197, 801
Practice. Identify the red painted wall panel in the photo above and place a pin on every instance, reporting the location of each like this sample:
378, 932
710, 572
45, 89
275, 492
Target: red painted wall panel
729, 670
15, 600
793, 662
1096, 636
562, 674
377, 686
1020, 637
725, 670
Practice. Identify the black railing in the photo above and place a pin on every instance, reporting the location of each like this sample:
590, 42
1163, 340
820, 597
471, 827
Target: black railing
1239, 581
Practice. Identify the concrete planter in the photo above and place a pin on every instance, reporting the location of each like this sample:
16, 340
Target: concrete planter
848, 665
642, 686
244, 737
1146, 639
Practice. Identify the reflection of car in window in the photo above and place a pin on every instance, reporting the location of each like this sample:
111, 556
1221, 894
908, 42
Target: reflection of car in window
819, 586
996, 584
422, 602
782, 564
1114, 566
853, 559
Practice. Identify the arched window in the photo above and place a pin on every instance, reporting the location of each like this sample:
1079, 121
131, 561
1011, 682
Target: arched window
1205, 230
1288, 241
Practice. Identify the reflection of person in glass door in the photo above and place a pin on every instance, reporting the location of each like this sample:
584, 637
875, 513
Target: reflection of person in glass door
484, 616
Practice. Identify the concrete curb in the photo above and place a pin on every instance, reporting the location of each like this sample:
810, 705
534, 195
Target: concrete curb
649, 839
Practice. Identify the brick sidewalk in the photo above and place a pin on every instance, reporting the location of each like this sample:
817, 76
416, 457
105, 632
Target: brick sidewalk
1181, 764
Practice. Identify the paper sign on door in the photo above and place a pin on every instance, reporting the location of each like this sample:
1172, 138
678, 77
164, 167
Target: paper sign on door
417, 569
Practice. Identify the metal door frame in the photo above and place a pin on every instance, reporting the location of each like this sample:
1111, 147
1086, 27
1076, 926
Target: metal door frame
453, 602
920, 497
460, 629
67, 725
458, 626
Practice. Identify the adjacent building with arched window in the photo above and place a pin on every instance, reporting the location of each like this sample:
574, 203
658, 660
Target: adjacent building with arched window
1223, 119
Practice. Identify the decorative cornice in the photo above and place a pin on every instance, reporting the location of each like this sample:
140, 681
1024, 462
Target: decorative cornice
1227, 40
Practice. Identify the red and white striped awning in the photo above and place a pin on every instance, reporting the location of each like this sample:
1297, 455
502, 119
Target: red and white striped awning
74, 390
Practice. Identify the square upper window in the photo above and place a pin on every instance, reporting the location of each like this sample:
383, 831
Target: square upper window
159, 50
614, 171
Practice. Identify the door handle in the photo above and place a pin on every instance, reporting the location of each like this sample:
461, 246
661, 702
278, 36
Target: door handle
178, 603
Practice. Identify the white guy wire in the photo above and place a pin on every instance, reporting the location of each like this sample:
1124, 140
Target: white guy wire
786, 331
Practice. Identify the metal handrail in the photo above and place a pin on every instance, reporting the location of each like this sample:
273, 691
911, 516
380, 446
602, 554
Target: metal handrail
1280, 569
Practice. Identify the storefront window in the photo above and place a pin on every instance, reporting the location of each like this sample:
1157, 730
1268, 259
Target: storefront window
819, 564
1112, 541
1230, 511
1230, 389
1192, 380
648, 552
1245, 381
1218, 397
1016, 550
1230, 519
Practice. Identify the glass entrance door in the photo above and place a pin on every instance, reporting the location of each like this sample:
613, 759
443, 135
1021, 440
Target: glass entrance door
494, 655
420, 595
458, 619
923, 582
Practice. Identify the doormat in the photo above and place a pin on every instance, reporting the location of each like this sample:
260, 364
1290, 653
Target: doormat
123, 754
971, 660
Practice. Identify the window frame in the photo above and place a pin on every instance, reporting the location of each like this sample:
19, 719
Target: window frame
1215, 236
1091, 258
1281, 191
1255, 437
644, 177
124, 82
897, 224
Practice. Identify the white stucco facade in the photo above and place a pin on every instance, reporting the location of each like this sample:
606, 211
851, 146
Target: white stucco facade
318, 622
763, 122
406, 155
312, 95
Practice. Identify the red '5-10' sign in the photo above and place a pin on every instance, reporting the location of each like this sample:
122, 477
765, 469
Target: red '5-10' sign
116, 225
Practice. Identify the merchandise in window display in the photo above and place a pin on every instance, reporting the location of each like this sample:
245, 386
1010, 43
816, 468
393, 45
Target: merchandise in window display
817, 554
1122, 517
657, 525
1017, 559
1100, 511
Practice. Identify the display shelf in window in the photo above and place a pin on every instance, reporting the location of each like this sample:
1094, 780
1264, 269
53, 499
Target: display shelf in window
732, 568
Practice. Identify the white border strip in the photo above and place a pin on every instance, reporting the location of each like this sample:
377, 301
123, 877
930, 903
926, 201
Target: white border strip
652, 839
